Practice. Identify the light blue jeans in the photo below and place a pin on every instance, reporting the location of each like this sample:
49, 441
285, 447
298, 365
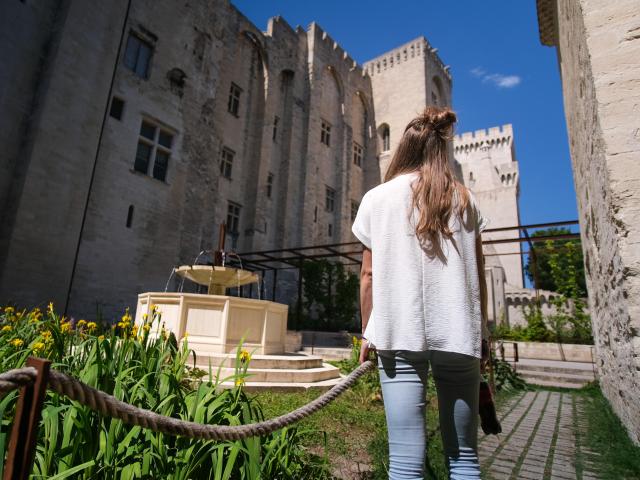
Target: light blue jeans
403, 375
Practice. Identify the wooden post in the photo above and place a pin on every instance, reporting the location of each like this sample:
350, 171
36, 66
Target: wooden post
299, 304
492, 379
22, 444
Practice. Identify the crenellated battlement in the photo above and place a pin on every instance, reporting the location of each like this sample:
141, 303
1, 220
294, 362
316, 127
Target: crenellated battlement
494, 136
419, 47
322, 36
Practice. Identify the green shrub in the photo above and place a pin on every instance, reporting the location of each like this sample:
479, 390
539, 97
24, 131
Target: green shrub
144, 366
330, 297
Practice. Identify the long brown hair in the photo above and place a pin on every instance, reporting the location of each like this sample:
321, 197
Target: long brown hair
423, 149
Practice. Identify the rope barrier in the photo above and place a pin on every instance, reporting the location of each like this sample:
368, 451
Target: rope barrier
108, 405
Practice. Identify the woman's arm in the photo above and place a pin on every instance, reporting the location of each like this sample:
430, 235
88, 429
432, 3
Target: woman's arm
366, 300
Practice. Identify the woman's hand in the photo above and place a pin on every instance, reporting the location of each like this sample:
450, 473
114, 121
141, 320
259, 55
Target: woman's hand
364, 350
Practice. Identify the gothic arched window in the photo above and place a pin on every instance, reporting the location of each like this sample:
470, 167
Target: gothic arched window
386, 139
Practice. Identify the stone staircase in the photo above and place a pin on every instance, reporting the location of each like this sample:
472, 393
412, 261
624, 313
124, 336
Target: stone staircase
328, 353
286, 372
553, 373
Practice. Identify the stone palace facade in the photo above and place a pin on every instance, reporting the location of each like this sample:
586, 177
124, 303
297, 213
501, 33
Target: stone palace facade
131, 129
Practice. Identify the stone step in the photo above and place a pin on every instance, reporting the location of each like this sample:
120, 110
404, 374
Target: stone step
328, 353
522, 368
275, 375
550, 383
290, 360
323, 385
565, 380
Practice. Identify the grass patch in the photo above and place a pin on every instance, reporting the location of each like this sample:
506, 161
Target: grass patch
605, 434
348, 430
353, 430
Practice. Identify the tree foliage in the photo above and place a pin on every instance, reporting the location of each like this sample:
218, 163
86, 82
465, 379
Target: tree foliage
569, 263
330, 297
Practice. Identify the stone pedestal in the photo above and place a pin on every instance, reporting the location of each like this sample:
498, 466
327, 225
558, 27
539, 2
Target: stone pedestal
216, 323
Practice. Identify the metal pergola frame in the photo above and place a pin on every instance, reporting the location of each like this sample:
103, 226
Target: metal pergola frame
351, 253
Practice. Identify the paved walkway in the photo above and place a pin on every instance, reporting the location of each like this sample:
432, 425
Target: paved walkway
541, 439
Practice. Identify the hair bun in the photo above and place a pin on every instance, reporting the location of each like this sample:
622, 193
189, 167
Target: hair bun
435, 119
443, 119
438, 118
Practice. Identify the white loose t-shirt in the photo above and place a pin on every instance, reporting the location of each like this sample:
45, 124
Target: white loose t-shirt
420, 302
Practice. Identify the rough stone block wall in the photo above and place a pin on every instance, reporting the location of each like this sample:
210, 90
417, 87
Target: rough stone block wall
598, 45
58, 151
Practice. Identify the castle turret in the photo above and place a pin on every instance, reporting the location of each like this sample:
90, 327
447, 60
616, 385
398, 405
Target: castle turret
489, 168
404, 81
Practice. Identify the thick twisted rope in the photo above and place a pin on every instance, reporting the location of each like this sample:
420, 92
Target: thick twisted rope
14, 379
110, 406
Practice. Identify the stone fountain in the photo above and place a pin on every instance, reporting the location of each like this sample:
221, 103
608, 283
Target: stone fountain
215, 323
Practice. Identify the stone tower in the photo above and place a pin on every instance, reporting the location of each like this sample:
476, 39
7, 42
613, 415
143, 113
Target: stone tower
404, 81
489, 168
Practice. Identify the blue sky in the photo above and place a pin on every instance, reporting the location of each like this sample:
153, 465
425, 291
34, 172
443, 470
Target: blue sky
501, 74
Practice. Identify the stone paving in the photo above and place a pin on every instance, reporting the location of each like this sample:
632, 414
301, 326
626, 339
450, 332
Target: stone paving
540, 439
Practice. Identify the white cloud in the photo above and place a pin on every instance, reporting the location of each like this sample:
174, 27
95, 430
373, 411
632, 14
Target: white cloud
498, 79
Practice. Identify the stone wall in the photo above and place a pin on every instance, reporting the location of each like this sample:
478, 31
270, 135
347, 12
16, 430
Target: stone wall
598, 47
53, 166
79, 218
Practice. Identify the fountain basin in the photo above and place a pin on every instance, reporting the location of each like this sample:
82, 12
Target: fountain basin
217, 278
217, 323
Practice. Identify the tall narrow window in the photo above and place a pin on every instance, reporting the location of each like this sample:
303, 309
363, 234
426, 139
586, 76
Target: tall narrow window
330, 197
354, 209
269, 184
130, 216
386, 139
226, 162
276, 121
325, 133
233, 218
357, 154
137, 55
233, 106
434, 98
154, 145
117, 108
330, 230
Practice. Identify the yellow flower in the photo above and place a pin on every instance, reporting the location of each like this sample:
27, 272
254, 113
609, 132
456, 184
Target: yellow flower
65, 327
127, 316
244, 356
101, 337
134, 330
7, 328
239, 382
145, 316
146, 327
50, 308
17, 342
46, 335
91, 326
9, 310
38, 347
81, 323
153, 308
